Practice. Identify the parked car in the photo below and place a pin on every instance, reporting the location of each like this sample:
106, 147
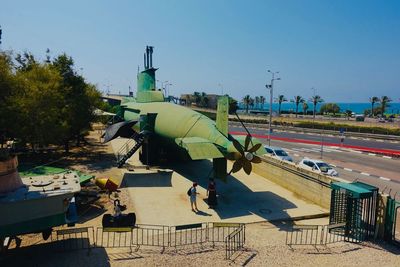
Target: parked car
278, 152
360, 117
318, 166
381, 119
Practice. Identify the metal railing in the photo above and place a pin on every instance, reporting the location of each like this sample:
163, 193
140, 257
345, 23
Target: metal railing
232, 235
234, 242
315, 234
73, 239
188, 234
115, 237
150, 235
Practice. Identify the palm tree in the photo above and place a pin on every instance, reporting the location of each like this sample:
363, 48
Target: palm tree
262, 101
305, 107
297, 100
197, 98
204, 100
384, 103
257, 100
373, 100
246, 102
280, 99
315, 100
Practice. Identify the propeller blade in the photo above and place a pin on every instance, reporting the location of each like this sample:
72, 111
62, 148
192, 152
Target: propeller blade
256, 159
247, 142
247, 167
255, 148
233, 156
238, 146
237, 166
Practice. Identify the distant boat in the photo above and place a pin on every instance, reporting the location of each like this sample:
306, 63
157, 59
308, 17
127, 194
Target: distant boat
33, 204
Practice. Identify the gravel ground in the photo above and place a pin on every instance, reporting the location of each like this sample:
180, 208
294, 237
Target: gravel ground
265, 246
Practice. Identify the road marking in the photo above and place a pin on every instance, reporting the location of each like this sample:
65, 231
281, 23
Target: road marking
367, 139
296, 155
347, 169
386, 157
372, 154
334, 165
384, 178
364, 173
378, 140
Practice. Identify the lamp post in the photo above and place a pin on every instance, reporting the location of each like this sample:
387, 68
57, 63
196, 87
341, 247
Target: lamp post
271, 91
166, 90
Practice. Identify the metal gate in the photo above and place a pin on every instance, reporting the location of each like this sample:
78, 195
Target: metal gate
354, 204
392, 221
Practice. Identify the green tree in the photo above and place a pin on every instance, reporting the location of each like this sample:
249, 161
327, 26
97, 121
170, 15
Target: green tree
280, 99
262, 101
246, 101
373, 100
348, 113
233, 105
39, 104
79, 100
315, 100
330, 108
297, 100
384, 103
8, 92
257, 100
197, 98
305, 107
204, 100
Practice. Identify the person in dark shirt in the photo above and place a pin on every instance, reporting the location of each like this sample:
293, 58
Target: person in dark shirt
212, 194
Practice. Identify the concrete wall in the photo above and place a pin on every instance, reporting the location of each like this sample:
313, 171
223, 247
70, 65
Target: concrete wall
307, 184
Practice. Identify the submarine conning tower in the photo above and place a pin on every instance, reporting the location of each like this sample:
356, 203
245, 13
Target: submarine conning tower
146, 80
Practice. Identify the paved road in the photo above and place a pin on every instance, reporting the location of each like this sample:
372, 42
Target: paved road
354, 141
380, 171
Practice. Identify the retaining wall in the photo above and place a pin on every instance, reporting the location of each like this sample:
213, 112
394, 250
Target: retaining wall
307, 184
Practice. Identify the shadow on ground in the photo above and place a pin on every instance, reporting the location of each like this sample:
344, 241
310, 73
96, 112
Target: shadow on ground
235, 199
51, 254
152, 179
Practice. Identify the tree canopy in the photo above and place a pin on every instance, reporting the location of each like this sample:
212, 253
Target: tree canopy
330, 108
46, 102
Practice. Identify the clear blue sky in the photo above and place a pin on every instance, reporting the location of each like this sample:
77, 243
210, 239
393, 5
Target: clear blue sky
347, 50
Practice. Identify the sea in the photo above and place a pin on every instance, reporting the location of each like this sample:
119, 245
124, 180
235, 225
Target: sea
358, 108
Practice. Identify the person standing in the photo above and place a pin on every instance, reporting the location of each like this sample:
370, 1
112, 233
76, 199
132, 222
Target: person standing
193, 196
212, 194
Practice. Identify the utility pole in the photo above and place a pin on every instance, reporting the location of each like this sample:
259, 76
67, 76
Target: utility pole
1, 31
271, 91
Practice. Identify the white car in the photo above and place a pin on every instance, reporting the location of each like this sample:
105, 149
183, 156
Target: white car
318, 166
278, 152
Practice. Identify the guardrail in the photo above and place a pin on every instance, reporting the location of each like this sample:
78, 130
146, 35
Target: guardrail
235, 241
188, 234
232, 235
75, 238
315, 234
116, 237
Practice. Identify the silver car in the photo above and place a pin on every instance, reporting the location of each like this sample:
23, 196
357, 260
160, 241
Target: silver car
278, 152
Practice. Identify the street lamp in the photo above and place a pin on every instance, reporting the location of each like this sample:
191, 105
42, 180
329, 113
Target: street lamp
271, 91
166, 90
